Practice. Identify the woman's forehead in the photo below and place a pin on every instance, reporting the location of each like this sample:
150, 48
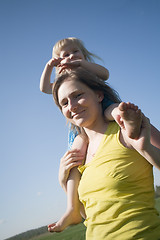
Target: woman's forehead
70, 85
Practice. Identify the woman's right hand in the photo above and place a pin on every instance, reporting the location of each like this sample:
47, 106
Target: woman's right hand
71, 159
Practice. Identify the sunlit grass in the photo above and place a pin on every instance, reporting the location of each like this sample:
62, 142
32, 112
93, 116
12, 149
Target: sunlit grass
76, 232
158, 204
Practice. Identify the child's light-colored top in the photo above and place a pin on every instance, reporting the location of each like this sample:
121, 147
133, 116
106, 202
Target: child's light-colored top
117, 191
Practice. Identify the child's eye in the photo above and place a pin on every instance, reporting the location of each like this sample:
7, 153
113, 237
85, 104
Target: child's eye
66, 55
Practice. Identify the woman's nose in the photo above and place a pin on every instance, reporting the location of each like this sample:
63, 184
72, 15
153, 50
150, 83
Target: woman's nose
72, 106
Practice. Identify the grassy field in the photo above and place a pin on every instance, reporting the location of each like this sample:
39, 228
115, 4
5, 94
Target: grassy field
76, 232
158, 204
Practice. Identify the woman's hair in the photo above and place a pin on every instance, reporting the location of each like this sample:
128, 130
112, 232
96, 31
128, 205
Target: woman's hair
75, 41
90, 80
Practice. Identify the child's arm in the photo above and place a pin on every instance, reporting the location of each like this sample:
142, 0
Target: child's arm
45, 81
96, 69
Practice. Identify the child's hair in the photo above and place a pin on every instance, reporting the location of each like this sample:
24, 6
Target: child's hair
75, 41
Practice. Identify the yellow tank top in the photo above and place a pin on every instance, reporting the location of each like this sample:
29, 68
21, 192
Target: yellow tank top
116, 189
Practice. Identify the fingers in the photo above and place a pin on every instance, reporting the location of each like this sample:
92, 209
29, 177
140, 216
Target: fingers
54, 62
73, 164
62, 68
69, 65
71, 158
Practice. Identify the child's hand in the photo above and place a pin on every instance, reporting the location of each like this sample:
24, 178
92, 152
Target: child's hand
64, 64
54, 62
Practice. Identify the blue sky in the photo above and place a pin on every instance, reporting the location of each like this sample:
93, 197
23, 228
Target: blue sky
124, 33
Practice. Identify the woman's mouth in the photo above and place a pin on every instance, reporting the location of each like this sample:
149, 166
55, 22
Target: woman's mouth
77, 115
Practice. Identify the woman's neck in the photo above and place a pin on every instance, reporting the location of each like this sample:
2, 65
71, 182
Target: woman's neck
96, 131
95, 136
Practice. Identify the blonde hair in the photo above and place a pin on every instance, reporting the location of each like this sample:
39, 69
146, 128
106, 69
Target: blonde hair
77, 42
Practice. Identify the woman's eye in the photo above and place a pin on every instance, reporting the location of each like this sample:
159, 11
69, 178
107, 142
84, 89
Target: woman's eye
78, 95
63, 104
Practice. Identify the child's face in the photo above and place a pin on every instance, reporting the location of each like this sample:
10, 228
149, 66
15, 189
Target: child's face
70, 53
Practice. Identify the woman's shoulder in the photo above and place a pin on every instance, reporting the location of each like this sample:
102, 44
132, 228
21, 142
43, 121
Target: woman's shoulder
112, 128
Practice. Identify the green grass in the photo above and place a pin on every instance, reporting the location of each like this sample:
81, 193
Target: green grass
158, 204
76, 232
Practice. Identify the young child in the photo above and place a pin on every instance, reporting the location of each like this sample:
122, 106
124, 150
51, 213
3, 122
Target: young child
68, 54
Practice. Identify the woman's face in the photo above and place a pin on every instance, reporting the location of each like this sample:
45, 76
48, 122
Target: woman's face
79, 104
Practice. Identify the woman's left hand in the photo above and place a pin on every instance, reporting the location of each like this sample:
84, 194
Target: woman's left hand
71, 159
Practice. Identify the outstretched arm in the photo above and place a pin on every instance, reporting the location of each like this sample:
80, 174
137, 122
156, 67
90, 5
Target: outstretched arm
94, 68
45, 81
155, 137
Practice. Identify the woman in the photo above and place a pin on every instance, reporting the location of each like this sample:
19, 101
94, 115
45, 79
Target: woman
116, 186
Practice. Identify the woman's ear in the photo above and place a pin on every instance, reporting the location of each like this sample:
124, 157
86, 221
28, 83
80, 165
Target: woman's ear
100, 96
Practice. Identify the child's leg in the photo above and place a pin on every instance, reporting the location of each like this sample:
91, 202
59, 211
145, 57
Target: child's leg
72, 214
131, 117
